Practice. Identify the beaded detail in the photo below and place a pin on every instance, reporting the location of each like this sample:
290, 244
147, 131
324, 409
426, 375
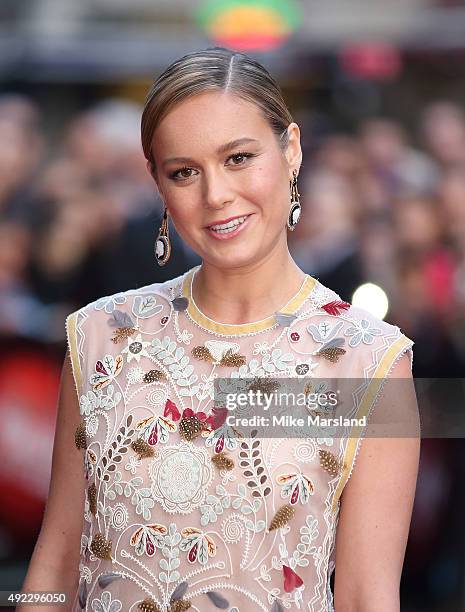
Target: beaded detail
101, 547
80, 436
282, 517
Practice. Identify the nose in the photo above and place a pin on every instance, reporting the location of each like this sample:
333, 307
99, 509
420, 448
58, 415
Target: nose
217, 190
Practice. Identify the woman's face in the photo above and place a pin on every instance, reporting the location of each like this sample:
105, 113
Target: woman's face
215, 178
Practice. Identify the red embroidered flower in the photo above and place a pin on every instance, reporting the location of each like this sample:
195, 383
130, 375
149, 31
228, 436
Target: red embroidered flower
171, 410
164, 320
291, 579
295, 336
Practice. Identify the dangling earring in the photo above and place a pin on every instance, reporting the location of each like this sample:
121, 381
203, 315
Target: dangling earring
163, 244
296, 209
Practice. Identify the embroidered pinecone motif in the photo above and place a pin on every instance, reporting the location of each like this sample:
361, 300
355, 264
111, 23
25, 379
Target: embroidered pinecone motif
143, 449
265, 385
190, 427
222, 461
92, 497
202, 353
122, 333
154, 376
149, 605
282, 517
308, 388
332, 353
232, 359
101, 547
80, 435
329, 462
180, 605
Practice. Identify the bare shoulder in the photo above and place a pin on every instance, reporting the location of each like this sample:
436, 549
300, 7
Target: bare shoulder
377, 501
61, 526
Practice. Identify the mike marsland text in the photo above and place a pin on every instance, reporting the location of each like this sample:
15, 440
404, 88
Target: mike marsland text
288, 420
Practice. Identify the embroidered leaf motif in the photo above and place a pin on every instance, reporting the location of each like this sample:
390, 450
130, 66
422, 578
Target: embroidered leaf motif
297, 487
285, 320
253, 468
179, 591
173, 356
324, 331
180, 303
146, 306
106, 579
82, 594
119, 318
218, 600
334, 307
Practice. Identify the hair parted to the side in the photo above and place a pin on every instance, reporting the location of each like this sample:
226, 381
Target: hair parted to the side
215, 68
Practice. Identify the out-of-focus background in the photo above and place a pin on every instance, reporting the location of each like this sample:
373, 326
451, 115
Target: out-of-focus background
377, 88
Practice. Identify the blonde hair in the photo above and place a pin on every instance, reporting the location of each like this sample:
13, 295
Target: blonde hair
215, 68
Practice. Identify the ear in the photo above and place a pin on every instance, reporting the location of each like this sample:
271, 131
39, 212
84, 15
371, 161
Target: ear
150, 169
153, 174
294, 150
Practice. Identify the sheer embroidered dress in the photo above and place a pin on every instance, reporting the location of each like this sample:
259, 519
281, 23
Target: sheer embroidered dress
180, 512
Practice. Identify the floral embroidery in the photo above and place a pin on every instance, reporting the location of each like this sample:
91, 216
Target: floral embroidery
135, 375
208, 471
324, 331
200, 547
296, 486
361, 331
180, 477
145, 306
155, 429
132, 464
109, 303
106, 370
148, 538
136, 348
106, 604
306, 368
93, 400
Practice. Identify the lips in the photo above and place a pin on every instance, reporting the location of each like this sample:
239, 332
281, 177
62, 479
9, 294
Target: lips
223, 221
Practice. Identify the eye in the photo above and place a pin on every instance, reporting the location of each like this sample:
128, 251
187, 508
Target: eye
180, 174
241, 154
175, 175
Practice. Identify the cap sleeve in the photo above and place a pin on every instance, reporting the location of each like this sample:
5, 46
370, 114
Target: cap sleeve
72, 345
400, 345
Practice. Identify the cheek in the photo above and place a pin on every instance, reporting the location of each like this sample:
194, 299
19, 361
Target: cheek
266, 188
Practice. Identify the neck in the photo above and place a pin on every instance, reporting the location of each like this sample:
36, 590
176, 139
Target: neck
246, 294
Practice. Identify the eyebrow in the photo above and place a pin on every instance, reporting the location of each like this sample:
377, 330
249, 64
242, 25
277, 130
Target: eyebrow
222, 149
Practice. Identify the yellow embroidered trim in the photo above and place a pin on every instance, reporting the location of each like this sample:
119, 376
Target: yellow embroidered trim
243, 328
71, 336
381, 372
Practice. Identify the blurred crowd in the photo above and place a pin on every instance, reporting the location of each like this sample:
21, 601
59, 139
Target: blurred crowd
79, 214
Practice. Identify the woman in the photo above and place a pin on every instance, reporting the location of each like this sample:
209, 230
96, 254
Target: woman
181, 509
